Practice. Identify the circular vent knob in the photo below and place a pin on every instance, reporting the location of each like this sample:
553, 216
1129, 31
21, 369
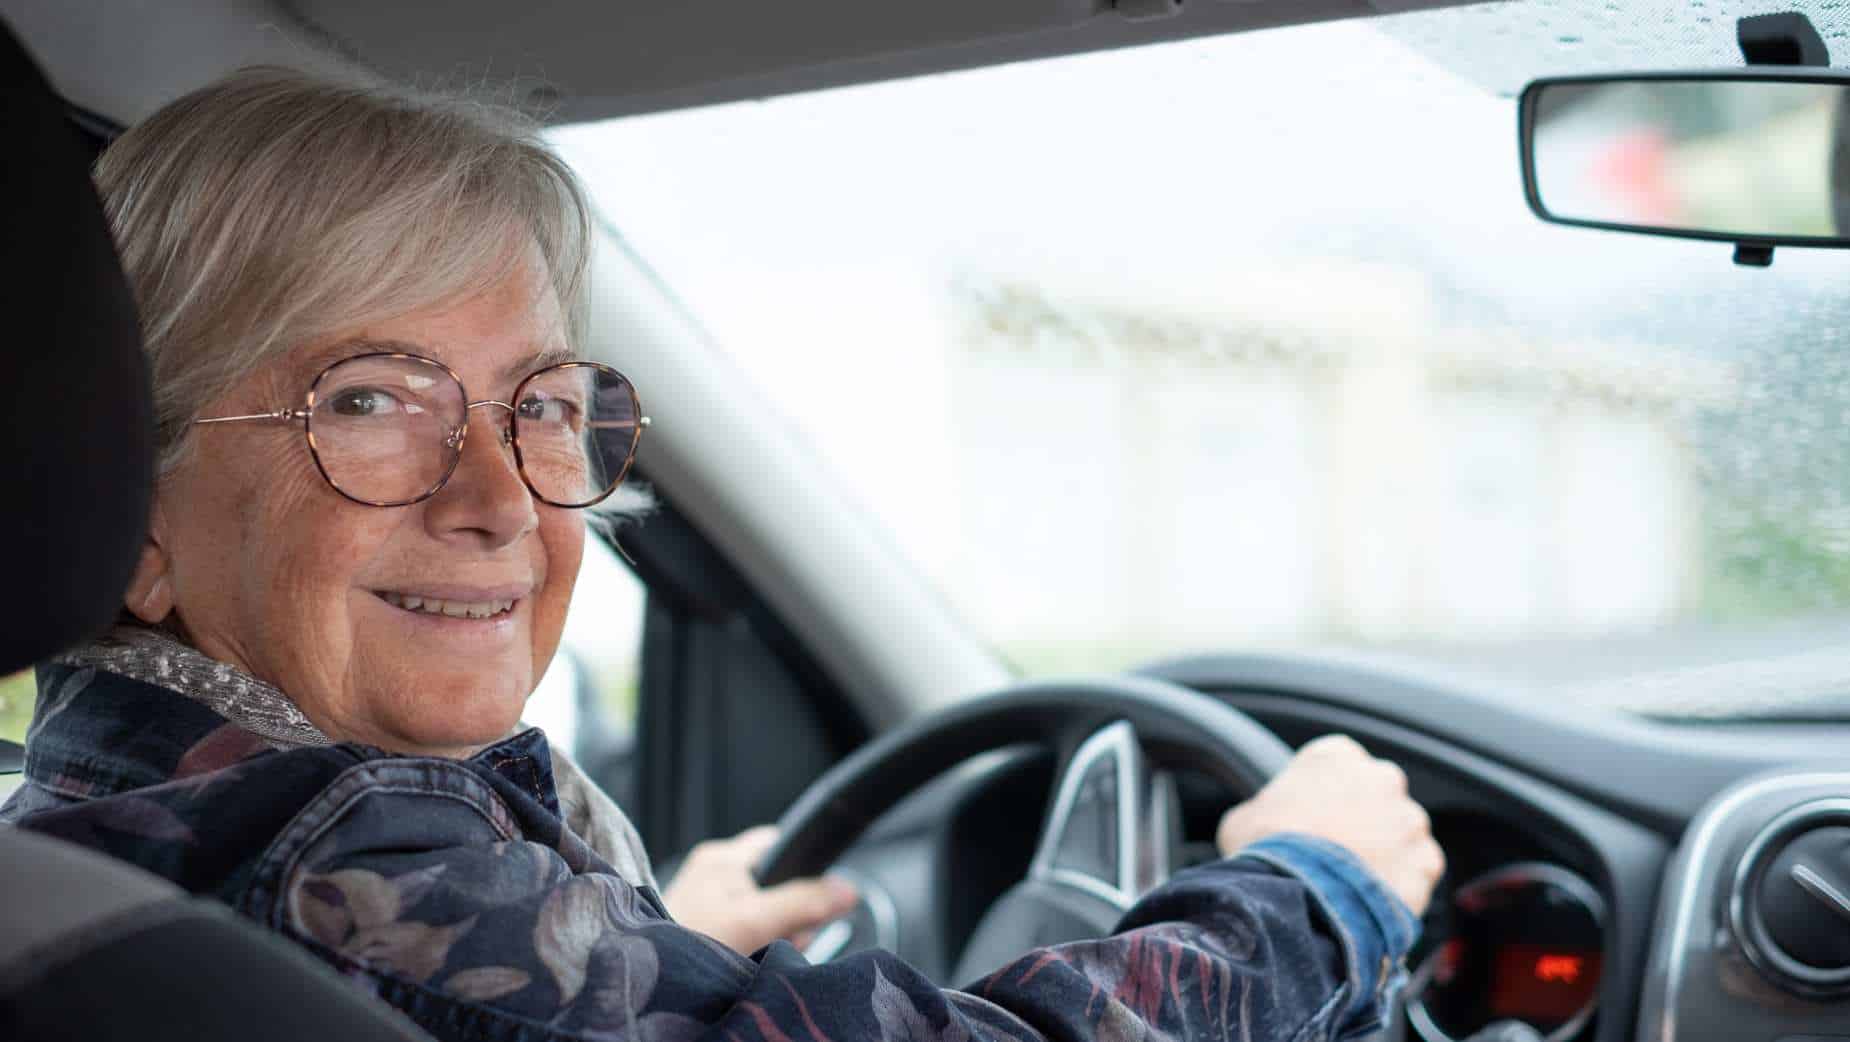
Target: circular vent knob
1791, 902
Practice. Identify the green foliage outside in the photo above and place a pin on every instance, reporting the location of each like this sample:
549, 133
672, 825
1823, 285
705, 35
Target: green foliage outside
1771, 568
1775, 499
616, 697
16, 695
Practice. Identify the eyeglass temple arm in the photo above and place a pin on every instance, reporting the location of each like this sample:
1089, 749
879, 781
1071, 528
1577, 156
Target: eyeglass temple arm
285, 415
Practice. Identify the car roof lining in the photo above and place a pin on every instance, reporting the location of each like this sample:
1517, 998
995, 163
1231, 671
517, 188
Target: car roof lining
579, 60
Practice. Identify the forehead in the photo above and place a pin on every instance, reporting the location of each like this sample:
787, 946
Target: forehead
505, 364
494, 337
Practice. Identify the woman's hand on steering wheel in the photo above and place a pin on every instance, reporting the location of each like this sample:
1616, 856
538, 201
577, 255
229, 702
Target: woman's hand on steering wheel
715, 893
1333, 789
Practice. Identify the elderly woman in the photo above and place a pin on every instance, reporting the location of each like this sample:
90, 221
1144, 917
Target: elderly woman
377, 448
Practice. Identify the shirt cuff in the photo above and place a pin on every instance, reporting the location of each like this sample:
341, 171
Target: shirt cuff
1375, 927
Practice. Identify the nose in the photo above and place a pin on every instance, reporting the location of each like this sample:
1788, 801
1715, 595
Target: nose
485, 503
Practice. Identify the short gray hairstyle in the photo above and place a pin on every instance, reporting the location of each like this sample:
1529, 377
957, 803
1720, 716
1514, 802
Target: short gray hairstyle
273, 208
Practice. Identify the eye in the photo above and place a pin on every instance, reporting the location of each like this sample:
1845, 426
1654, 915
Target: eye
363, 401
544, 408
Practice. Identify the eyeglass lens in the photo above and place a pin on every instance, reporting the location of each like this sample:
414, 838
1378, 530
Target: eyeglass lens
387, 430
575, 431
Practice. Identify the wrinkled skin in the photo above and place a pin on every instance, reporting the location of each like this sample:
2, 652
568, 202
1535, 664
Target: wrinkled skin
266, 567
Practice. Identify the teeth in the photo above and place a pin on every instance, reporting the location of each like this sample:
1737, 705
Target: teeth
454, 609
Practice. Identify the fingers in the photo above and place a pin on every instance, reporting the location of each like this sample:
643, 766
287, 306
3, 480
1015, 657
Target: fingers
1431, 861
1337, 790
715, 892
754, 843
802, 905
1332, 745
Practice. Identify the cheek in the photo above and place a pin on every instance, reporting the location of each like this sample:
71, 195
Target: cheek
267, 555
230, 525
315, 547
562, 540
320, 542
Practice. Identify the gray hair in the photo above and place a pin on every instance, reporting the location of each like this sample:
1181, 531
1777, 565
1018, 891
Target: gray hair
273, 208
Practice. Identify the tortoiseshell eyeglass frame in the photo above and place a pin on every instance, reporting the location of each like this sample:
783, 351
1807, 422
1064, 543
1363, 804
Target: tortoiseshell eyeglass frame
509, 436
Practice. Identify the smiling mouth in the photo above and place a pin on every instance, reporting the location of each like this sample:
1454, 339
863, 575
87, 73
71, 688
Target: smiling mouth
448, 608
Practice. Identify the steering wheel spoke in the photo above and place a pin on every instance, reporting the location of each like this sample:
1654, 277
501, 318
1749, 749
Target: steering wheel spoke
1110, 830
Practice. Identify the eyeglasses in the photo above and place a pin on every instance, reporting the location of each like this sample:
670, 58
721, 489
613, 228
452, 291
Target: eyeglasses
387, 429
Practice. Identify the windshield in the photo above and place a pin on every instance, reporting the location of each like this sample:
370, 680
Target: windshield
1251, 342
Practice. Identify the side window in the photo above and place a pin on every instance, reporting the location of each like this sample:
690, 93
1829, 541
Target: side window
16, 695
586, 702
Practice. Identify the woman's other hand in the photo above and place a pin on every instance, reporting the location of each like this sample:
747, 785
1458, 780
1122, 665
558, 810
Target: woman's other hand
1333, 789
714, 892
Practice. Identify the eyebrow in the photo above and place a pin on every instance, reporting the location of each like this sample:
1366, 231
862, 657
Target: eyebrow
341, 350
534, 361
519, 368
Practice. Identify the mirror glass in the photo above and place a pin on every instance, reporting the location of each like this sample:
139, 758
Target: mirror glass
1759, 159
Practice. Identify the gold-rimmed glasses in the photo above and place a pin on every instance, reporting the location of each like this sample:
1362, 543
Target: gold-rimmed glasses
386, 429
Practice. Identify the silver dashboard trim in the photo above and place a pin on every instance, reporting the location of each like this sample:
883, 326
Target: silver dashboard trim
1683, 891
1756, 944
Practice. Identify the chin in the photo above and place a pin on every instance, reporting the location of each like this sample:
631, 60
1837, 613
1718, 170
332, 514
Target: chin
459, 728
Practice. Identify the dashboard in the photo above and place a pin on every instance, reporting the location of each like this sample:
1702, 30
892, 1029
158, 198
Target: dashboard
1607, 878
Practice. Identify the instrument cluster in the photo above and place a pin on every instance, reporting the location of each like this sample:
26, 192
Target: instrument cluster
1518, 937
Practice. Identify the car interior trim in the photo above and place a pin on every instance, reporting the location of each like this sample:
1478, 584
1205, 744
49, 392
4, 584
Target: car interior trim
1116, 743
1664, 981
1755, 942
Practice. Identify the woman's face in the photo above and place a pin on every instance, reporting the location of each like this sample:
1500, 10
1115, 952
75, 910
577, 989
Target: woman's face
270, 569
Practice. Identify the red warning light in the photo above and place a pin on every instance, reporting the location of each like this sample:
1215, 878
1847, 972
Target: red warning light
1558, 969
1542, 982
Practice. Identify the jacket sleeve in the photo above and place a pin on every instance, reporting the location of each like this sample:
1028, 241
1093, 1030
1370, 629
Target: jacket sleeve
413, 877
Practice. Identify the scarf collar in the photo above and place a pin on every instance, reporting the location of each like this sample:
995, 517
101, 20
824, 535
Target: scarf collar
156, 657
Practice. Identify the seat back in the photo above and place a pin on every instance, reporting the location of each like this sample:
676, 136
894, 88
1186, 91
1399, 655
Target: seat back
91, 948
77, 466
94, 949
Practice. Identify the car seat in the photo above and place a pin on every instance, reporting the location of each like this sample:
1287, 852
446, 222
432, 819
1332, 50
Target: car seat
92, 948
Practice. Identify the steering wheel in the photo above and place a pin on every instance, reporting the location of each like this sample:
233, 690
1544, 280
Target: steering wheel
1108, 834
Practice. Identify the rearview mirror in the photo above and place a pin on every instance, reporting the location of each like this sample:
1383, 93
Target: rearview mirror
1746, 157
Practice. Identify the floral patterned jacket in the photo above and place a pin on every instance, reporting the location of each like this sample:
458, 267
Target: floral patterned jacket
453, 890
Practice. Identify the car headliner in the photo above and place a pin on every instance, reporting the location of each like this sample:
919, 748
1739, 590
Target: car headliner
592, 59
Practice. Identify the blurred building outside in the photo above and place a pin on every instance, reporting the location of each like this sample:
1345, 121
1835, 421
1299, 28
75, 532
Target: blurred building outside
1313, 458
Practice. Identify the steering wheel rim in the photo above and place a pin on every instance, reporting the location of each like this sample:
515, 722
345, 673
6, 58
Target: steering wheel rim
1183, 727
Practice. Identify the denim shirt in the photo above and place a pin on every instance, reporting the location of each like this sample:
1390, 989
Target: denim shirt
454, 891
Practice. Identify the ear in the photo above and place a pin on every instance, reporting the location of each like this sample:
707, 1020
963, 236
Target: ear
149, 596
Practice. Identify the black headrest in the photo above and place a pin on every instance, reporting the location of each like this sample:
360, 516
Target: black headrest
76, 463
